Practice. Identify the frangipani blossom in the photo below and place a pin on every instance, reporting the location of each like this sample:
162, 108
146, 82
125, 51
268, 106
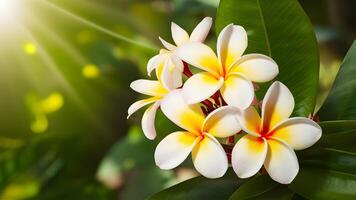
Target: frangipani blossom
157, 91
167, 62
271, 139
209, 158
229, 72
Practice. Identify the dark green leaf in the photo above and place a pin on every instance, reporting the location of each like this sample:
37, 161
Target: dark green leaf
323, 184
329, 158
340, 104
281, 192
202, 188
331, 127
282, 30
340, 140
257, 186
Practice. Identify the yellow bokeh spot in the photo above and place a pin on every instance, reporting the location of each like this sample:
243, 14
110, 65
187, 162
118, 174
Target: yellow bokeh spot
30, 48
90, 71
40, 124
52, 103
21, 190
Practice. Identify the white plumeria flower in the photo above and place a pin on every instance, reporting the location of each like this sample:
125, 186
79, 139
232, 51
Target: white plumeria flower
157, 91
209, 157
230, 72
167, 62
270, 141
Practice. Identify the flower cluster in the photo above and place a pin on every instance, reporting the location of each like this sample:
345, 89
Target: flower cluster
218, 105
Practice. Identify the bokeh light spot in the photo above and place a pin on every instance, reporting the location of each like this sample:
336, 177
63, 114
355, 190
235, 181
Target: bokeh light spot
52, 103
30, 48
90, 71
40, 124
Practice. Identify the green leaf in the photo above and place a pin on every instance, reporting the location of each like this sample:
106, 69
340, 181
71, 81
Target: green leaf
254, 187
340, 103
340, 140
323, 184
331, 127
202, 188
282, 30
281, 192
329, 158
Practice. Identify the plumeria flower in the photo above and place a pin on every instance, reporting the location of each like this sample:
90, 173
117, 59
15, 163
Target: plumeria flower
208, 155
157, 91
270, 140
170, 67
229, 72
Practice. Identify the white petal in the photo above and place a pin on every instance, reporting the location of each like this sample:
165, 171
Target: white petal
232, 42
248, 156
298, 132
148, 87
201, 31
250, 121
256, 67
148, 121
139, 104
166, 44
238, 91
281, 162
200, 87
278, 105
174, 149
178, 63
152, 64
188, 117
179, 35
222, 122
199, 55
209, 158
171, 75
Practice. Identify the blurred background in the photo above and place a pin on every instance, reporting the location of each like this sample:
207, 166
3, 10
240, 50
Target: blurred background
65, 70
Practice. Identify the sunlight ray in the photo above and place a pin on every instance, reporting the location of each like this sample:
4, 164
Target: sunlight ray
98, 27
68, 47
63, 82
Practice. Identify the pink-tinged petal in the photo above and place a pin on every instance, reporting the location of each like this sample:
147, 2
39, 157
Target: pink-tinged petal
174, 149
278, 105
199, 55
139, 104
148, 87
256, 67
179, 35
238, 91
201, 31
248, 156
201, 86
148, 121
166, 44
171, 76
232, 42
250, 121
281, 162
209, 158
188, 117
299, 132
222, 122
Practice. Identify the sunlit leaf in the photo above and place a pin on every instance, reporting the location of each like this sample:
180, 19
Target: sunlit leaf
340, 103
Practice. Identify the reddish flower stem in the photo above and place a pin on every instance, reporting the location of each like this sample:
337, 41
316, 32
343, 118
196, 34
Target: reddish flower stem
186, 70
